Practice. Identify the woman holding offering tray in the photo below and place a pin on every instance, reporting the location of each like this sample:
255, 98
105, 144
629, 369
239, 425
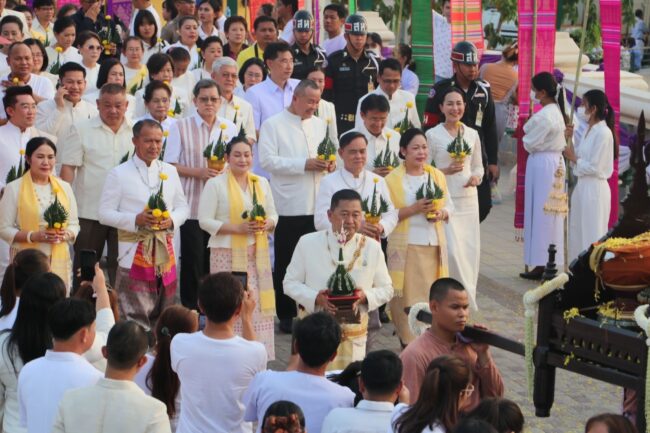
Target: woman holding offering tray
237, 210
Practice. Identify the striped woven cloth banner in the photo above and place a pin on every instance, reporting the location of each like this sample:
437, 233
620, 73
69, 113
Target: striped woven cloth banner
544, 60
610, 18
471, 9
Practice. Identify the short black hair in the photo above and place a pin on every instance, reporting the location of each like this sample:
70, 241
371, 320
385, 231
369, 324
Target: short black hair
43, 3
344, 195
338, 8
220, 295
250, 62
232, 20
12, 93
157, 62
70, 67
145, 123
375, 102
283, 415
208, 41
638, 13
503, 414
23, 9
292, 3
215, 5
179, 54
347, 137
105, 68
31, 42
381, 372
318, 336
264, 19
392, 64
12, 19
473, 425
126, 344
442, 286
63, 23
68, 316
273, 50
152, 87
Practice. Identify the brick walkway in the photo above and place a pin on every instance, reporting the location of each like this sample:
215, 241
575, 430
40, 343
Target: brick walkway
500, 300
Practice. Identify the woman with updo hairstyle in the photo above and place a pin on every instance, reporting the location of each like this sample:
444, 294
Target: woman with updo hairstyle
238, 238
161, 68
157, 99
446, 388
593, 164
252, 72
503, 414
609, 423
211, 50
156, 377
39, 55
410, 81
111, 71
417, 247
26, 263
544, 141
24, 202
283, 417
90, 47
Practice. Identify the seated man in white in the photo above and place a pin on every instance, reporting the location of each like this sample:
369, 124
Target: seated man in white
381, 385
115, 404
43, 381
316, 338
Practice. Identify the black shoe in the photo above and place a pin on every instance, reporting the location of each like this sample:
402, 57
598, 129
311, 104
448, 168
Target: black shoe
535, 274
286, 326
383, 317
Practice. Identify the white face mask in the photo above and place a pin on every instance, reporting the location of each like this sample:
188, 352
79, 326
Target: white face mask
582, 115
377, 51
533, 97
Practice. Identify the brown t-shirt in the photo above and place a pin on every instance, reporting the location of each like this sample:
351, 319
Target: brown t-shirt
501, 77
418, 355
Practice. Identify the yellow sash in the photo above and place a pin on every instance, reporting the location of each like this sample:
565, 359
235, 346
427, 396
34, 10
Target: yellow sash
398, 239
239, 245
29, 218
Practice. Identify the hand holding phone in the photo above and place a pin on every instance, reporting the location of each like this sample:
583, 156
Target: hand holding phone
87, 260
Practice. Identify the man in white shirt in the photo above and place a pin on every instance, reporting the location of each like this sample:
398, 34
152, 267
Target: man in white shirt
19, 58
115, 404
91, 150
43, 381
289, 152
334, 15
146, 277
316, 338
285, 10
56, 116
140, 5
44, 20
442, 42
187, 140
224, 73
212, 398
380, 383
401, 101
374, 111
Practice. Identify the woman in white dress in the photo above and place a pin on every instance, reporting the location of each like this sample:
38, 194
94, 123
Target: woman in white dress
90, 48
40, 64
157, 99
63, 50
236, 243
145, 27
161, 68
211, 50
544, 141
463, 175
593, 164
188, 32
135, 72
326, 110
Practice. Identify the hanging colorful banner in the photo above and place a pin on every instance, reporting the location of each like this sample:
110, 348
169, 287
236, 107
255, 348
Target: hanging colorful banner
542, 25
467, 23
610, 18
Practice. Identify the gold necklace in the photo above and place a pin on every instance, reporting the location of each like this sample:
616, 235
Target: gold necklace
357, 252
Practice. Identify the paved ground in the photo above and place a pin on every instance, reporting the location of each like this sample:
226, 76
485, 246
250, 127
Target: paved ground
499, 297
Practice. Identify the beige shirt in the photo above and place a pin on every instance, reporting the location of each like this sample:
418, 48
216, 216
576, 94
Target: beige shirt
244, 115
94, 149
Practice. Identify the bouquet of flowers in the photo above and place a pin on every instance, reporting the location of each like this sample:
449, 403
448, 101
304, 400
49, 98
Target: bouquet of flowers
340, 283
433, 192
108, 35
386, 159
215, 153
54, 69
139, 83
156, 204
458, 149
371, 209
199, 63
16, 172
257, 213
326, 149
405, 123
164, 146
56, 216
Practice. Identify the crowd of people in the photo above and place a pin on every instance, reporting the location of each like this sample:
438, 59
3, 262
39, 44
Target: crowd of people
235, 173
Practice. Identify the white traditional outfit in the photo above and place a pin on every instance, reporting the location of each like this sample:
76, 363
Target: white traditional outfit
314, 261
462, 231
240, 112
41, 86
135, 78
327, 112
91, 79
417, 249
388, 139
332, 45
146, 278
398, 107
71, 54
180, 103
223, 201
590, 201
544, 141
194, 54
364, 184
441, 47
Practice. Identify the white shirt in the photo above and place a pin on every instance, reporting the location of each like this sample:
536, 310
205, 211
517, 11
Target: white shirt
103, 324
20, 15
48, 33
377, 144
13, 141
334, 44
286, 142
397, 108
43, 381
213, 402
111, 406
214, 208
544, 131
421, 231
126, 192
268, 99
220, 22
364, 185
441, 46
194, 54
91, 81
166, 124
287, 33
41, 86
244, 115
315, 395
94, 149
71, 54
595, 153
367, 417
185, 82
7, 321
179, 97
199, 74
400, 408
153, 11
438, 138
410, 81
10, 367
327, 112
203, 35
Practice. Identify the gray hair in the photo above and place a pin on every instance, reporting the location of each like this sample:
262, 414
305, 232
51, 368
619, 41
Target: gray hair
205, 83
223, 61
112, 89
305, 84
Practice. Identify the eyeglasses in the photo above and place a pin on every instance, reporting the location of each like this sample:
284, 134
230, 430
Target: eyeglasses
467, 392
208, 100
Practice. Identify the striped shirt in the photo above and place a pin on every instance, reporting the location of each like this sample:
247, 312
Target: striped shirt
187, 139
